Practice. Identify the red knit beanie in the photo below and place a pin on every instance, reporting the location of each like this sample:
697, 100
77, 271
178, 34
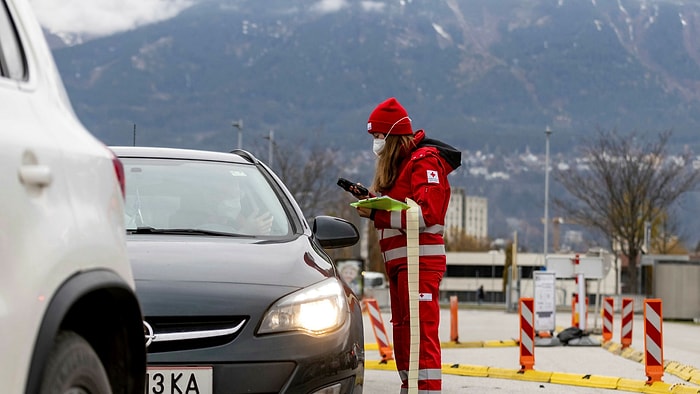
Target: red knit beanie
389, 116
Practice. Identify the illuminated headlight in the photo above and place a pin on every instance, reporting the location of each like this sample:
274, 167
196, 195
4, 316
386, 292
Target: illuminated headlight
316, 309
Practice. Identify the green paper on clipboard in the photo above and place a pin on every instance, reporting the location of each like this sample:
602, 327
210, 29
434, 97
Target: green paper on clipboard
384, 203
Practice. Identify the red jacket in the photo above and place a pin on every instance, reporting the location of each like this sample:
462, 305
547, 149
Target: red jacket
422, 178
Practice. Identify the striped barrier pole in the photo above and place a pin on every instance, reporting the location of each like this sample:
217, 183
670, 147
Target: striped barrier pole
608, 313
527, 334
454, 325
375, 317
575, 311
627, 312
653, 340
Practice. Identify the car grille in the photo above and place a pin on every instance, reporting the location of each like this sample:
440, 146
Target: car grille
169, 334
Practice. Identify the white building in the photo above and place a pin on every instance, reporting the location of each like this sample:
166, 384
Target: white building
454, 218
468, 214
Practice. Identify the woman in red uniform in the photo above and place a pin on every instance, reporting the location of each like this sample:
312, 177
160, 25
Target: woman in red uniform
409, 165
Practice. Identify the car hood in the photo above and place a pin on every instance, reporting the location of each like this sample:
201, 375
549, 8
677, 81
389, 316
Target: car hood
179, 278
178, 258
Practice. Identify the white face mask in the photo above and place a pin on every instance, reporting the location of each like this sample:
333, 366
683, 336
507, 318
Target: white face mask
378, 145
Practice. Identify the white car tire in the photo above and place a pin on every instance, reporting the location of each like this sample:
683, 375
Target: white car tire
73, 367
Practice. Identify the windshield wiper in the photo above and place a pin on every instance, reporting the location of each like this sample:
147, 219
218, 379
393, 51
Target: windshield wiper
184, 231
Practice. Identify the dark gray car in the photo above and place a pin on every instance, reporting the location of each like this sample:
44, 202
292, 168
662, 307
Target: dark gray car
236, 289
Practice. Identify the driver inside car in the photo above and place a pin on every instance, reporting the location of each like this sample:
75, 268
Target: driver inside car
220, 209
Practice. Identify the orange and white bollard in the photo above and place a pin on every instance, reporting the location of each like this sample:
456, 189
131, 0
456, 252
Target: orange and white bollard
653, 340
375, 317
627, 312
454, 325
575, 321
527, 333
608, 313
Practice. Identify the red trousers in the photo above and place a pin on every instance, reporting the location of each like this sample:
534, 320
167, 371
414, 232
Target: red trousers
430, 358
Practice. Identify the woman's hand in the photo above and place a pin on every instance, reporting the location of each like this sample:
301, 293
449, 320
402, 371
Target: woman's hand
364, 212
360, 192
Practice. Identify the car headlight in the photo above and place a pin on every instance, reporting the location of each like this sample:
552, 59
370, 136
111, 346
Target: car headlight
316, 309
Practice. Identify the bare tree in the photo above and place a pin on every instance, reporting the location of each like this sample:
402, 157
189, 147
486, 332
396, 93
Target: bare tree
666, 237
310, 176
622, 183
457, 240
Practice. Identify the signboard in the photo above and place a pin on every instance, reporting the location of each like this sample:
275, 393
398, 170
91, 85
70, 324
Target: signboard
564, 268
351, 273
545, 301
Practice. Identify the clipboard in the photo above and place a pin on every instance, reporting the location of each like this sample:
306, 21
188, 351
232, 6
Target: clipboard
384, 203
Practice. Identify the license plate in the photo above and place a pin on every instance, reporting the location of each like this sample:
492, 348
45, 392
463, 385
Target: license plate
179, 380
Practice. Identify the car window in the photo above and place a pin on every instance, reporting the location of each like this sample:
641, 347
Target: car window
200, 195
12, 62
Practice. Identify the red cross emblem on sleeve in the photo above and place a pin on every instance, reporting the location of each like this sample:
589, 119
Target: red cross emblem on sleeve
433, 176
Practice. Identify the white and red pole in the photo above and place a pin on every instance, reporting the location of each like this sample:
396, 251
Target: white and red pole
375, 317
627, 320
608, 313
581, 281
527, 333
653, 340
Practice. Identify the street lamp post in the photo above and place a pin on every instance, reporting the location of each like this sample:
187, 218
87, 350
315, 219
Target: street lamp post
547, 133
239, 125
271, 148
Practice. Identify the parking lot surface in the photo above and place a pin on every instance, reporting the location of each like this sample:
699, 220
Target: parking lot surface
486, 358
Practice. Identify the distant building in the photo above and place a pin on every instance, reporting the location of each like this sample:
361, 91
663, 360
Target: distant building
454, 218
468, 214
476, 217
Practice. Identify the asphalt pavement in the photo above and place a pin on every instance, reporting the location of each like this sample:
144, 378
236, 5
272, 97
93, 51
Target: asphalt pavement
486, 358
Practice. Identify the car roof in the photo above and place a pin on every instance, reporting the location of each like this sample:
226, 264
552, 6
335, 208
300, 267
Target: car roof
238, 156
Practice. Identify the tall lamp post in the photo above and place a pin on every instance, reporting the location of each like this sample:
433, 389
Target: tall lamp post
271, 147
239, 125
547, 133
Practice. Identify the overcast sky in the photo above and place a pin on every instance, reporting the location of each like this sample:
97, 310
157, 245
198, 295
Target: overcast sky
103, 17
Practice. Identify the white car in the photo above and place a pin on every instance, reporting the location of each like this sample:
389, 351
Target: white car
69, 318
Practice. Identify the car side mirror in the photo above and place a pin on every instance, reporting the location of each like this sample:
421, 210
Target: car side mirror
332, 232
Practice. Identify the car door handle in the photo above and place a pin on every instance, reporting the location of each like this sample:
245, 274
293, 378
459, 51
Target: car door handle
35, 175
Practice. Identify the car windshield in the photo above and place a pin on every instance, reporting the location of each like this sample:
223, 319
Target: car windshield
178, 196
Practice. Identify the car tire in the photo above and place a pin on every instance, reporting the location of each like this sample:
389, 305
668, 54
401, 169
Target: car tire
73, 367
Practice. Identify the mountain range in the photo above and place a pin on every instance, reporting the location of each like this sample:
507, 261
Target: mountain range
483, 75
